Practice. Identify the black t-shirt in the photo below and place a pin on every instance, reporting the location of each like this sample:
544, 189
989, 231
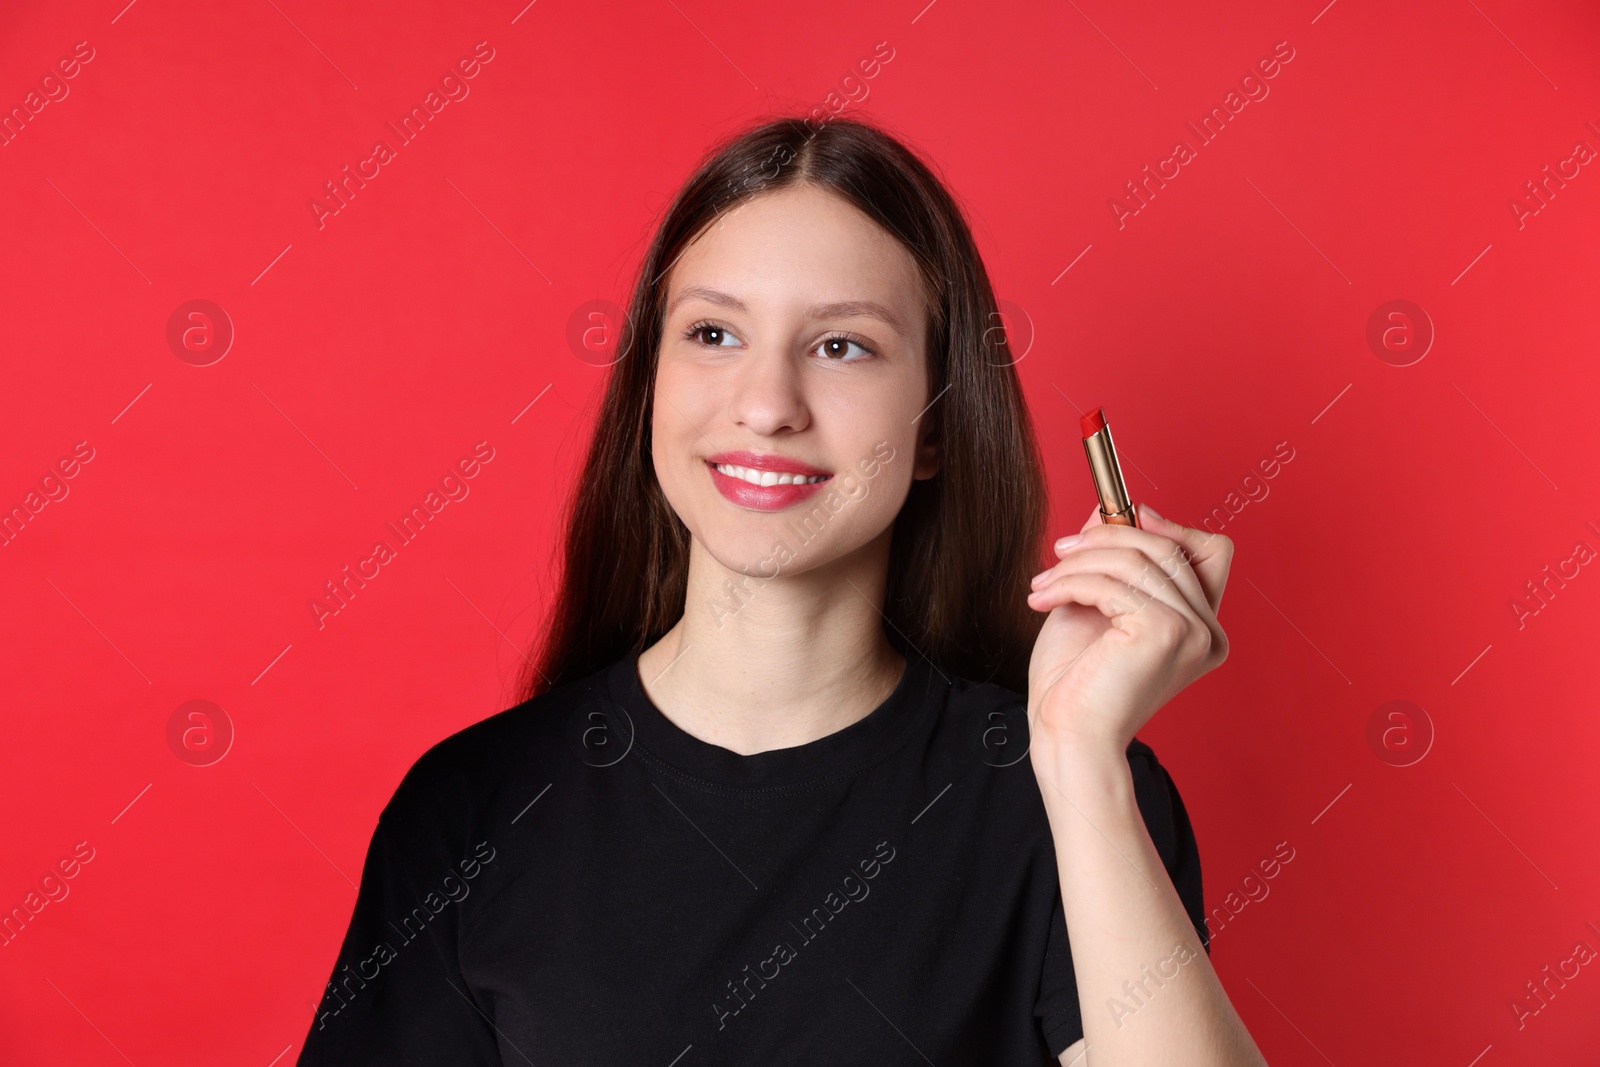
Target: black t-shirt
578, 881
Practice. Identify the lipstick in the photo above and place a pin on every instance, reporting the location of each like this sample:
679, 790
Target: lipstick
1115, 507
804, 480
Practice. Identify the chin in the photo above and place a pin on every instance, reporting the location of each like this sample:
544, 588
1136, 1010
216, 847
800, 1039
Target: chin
765, 549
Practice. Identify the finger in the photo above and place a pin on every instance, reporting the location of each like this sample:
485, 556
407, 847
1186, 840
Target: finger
1163, 553
1210, 555
1171, 554
1108, 595
1093, 519
1116, 600
1181, 592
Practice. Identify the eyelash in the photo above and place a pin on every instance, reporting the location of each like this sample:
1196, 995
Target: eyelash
706, 324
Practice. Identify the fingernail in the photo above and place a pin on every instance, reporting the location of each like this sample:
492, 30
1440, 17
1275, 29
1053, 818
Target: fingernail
1068, 542
1034, 581
1146, 509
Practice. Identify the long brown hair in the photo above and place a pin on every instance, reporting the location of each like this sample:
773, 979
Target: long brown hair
967, 540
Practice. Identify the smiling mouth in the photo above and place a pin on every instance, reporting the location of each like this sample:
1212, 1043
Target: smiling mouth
764, 478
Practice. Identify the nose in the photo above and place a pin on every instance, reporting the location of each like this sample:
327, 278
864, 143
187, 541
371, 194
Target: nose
769, 394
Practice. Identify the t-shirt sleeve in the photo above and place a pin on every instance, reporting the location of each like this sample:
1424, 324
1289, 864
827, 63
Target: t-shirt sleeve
396, 995
1171, 832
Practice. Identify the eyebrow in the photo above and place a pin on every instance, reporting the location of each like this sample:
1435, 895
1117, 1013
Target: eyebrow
844, 309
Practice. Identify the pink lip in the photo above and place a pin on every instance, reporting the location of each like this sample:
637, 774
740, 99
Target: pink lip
767, 461
764, 497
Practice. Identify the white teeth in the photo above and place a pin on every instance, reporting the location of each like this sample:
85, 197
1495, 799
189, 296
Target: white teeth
755, 477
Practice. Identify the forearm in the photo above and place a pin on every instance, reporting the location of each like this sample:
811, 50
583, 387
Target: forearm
1146, 987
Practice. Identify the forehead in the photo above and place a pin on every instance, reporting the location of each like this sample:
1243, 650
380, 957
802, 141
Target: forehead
798, 248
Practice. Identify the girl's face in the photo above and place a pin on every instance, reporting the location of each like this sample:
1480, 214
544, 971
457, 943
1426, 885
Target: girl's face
793, 348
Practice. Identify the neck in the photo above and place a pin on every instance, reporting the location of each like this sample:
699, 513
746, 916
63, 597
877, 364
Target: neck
760, 664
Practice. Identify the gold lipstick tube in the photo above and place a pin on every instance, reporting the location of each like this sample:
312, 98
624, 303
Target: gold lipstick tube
1115, 507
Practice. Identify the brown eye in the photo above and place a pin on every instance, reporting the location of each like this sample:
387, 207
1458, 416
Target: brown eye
837, 349
708, 334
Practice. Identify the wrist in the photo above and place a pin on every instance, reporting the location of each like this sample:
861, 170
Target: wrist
1073, 744
1082, 757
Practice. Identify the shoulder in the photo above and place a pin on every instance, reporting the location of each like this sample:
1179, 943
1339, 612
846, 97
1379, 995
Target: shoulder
986, 715
1171, 831
986, 726
1142, 758
468, 774
1157, 795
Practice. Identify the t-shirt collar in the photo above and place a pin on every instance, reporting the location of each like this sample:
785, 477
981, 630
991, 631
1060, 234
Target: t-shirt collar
843, 753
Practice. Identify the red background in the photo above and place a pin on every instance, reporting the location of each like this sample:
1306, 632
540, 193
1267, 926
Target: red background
1228, 315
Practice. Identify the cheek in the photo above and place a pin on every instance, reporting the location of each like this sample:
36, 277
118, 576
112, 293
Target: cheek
668, 454
874, 440
674, 415
871, 490
681, 406
888, 489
